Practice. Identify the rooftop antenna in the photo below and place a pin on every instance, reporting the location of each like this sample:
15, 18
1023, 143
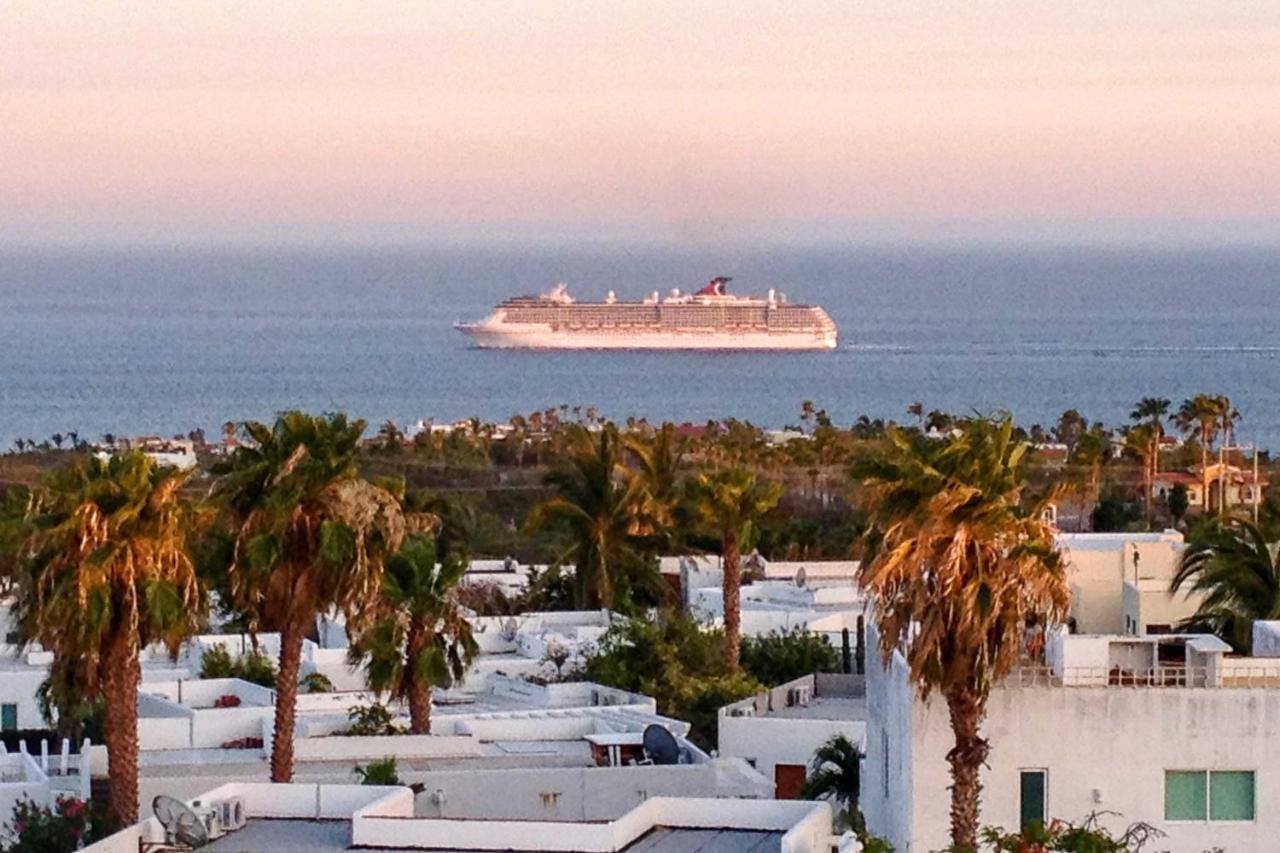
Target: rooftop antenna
182, 826
660, 745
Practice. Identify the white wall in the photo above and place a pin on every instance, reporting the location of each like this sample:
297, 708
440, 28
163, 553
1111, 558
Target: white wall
20, 779
576, 793
1117, 741
887, 793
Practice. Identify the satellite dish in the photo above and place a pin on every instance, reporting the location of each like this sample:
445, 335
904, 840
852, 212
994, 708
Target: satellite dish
181, 824
801, 577
660, 745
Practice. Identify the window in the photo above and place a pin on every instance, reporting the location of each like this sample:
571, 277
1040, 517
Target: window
1033, 797
884, 742
8, 717
1224, 795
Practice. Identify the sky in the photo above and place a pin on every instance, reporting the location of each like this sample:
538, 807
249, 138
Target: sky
667, 120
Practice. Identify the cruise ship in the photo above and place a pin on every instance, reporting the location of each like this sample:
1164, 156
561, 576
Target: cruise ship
709, 319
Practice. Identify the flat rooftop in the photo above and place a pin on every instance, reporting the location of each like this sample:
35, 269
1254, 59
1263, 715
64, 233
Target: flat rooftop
824, 708
331, 836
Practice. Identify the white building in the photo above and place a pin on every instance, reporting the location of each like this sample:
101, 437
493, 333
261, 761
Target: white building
778, 731
321, 818
1169, 730
1120, 582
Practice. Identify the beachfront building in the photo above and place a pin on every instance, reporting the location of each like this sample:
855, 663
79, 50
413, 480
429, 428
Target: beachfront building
322, 818
778, 731
1170, 730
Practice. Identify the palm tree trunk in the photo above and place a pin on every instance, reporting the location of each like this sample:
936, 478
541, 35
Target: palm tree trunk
1204, 471
732, 599
120, 689
419, 688
966, 759
286, 701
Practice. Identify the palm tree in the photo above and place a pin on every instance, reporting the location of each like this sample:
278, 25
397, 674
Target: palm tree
420, 638
110, 574
1200, 416
1090, 452
659, 464
835, 773
596, 500
1143, 441
955, 566
1237, 572
311, 536
1150, 409
731, 503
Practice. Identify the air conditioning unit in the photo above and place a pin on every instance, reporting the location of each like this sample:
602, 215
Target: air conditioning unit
231, 814
210, 818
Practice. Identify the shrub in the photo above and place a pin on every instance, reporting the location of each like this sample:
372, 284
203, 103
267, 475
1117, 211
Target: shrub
379, 772
68, 826
781, 656
253, 666
1060, 836
375, 719
677, 663
315, 682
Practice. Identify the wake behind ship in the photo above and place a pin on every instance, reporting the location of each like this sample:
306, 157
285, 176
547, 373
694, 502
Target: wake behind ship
710, 319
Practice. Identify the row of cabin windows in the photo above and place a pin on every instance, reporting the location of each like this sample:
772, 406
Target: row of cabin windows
1189, 795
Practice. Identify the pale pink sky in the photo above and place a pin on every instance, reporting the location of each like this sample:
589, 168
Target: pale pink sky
681, 116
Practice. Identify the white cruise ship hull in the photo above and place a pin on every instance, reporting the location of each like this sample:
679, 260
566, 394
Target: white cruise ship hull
540, 337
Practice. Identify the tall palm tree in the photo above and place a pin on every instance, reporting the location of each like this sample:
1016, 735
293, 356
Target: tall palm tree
1231, 564
835, 773
312, 536
1200, 416
596, 500
955, 564
109, 574
420, 638
1143, 441
731, 503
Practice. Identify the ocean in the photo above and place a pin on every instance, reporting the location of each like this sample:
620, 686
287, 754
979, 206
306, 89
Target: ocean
164, 340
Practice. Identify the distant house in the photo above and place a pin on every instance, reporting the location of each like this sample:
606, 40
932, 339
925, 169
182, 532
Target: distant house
1228, 484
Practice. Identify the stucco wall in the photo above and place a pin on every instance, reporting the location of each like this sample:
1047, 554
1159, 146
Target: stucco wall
1116, 742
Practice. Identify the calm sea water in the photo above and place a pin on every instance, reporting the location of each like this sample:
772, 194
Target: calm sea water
167, 340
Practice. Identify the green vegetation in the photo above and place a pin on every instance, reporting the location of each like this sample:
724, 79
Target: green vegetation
419, 638
253, 666
1088, 836
1237, 571
107, 573
678, 663
835, 774
382, 772
68, 826
312, 534
781, 656
373, 719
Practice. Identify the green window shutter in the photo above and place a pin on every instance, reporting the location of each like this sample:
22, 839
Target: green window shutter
1032, 797
8, 718
1185, 795
1231, 795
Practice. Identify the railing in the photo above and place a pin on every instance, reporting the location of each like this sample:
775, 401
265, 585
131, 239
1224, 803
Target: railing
1114, 676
